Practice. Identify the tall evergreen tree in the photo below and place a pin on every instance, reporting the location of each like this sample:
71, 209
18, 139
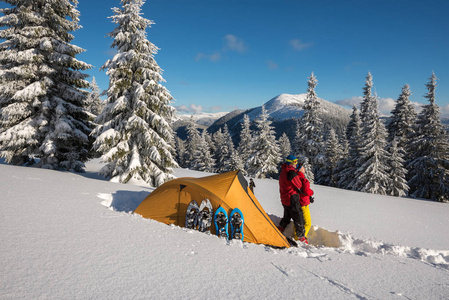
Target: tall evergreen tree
368, 105
351, 162
135, 135
309, 136
203, 160
333, 154
42, 105
225, 151
93, 101
285, 145
192, 143
246, 140
265, 158
403, 117
430, 166
398, 186
372, 175
181, 154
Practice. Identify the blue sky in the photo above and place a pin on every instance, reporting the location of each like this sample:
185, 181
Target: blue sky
218, 55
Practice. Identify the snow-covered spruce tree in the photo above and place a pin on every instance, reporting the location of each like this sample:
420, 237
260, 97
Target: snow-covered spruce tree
224, 152
398, 186
236, 162
309, 134
192, 143
367, 104
135, 135
307, 168
430, 166
181, 154
246, 139
285, 145
203, 160
333, 153
265, 157
373, 174
93, 101
350, 164
341, 164
42, 104
403, 117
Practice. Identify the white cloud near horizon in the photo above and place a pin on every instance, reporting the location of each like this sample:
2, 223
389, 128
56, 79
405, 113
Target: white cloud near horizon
444, 111
299, 45
212, 57
196, 109
231, 44
192, 108
386, 105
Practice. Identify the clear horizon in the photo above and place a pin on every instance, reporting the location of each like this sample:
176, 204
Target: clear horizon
223, 55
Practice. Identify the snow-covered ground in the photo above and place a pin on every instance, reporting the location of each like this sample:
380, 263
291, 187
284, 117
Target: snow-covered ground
72, 236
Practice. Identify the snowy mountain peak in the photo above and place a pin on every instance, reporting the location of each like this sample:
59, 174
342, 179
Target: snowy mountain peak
286, 106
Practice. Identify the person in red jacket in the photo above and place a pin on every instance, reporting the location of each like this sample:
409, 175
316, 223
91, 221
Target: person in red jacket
295, 194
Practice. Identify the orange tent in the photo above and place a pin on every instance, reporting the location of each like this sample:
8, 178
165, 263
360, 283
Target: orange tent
168, 204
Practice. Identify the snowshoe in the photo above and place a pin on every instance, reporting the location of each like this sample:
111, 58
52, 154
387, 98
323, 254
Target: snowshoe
205, 216
237, 222
221, 223
192, 215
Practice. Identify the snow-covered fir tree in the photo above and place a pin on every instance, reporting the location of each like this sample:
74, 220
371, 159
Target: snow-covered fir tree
429, 167
373, 174
350, 163
192, 143
203, 160
309, 136
403, 117
265, 157
93, 101
42, 101
333, 153
285, 145
181, 153
236, 162
398, 186
246, 140
135, 135
367, 106
225, 151
341, 164
307, 168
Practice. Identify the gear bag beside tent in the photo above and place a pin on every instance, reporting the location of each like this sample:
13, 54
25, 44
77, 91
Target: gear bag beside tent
168, 204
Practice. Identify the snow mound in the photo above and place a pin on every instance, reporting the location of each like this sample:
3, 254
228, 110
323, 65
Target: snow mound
366, 247
123, 201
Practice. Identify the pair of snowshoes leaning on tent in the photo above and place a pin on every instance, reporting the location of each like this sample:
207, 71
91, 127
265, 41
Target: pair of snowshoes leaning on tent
200, 217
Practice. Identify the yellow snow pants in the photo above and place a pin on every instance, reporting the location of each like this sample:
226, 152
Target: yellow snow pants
307, 219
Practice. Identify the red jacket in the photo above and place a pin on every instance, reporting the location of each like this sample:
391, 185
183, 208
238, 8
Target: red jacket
292, 182
306, 192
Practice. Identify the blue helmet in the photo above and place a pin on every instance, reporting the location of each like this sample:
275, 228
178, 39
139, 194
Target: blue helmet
291, 160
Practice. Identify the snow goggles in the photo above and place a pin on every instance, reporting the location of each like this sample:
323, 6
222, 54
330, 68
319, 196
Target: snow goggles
293, 162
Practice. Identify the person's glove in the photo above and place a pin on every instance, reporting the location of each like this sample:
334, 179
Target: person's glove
312, 199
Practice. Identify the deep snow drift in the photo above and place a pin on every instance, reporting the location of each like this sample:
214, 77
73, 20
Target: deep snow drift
67, 235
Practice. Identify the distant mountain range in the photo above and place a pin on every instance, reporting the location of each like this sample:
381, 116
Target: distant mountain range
284, 110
